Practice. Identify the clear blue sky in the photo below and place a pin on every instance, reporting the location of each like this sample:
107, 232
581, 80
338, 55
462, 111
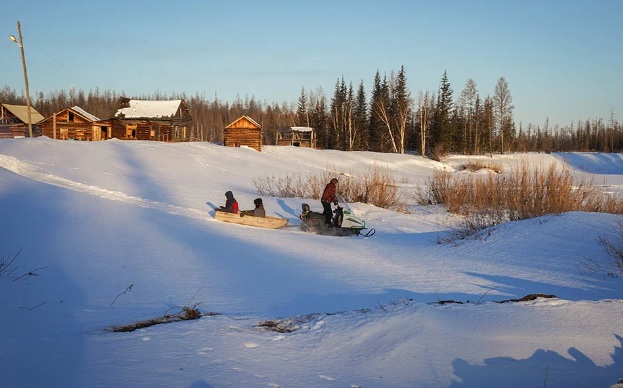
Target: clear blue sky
562, 59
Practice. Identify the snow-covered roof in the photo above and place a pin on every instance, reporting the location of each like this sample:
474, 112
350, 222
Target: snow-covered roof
296, 129
84, 113
302, 129
142, 109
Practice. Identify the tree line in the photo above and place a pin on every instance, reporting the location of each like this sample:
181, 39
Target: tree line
387, 119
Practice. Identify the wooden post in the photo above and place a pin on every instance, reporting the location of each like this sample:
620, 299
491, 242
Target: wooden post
21, 46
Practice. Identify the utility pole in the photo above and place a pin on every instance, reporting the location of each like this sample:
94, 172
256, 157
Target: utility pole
20, 43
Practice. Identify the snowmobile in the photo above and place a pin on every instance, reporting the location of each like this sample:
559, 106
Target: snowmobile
344, 223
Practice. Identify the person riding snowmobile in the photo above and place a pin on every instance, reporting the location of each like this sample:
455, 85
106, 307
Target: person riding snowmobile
329, 196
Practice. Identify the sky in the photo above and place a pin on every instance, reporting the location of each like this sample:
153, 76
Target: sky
111, 233
561, 59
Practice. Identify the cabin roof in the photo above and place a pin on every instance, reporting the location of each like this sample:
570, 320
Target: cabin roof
21, 112
84, 113
249, 119
296, 129
149, 109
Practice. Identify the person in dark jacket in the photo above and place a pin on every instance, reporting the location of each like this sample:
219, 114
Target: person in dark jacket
329, 196
231, 205
257, 212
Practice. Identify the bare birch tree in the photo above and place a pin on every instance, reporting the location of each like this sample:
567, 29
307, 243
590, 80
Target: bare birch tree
503, 111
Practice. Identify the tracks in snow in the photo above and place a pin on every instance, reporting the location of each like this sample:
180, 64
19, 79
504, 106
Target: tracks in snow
29, 171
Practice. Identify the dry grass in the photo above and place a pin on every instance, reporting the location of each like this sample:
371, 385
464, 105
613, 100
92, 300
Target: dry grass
525, 192
476, 165
376, 187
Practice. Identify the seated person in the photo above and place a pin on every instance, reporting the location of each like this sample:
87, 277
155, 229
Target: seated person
231, 205
257, 212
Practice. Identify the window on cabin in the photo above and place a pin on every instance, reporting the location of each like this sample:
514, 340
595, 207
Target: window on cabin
130, 131
71, 117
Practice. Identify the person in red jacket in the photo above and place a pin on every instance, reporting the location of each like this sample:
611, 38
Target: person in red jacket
329, 196
231, 205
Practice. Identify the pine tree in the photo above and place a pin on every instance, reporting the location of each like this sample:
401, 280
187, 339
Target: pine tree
302, 113
338, 106
361, 118
441, 130
375, 125
319, 118
401, 109
384, 111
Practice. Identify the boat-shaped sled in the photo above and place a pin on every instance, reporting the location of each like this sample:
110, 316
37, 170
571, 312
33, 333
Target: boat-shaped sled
261, 222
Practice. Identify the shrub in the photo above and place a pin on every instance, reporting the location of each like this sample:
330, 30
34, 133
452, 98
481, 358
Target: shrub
376, 187
6, 264
525, 192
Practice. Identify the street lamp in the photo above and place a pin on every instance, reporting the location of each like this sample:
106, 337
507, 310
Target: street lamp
20, 43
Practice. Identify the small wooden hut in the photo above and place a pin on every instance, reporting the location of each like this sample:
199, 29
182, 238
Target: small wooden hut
296, 136
160, 120
14, 121
244, 131
74, 124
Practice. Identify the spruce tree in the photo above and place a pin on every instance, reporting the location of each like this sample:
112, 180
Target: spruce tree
302, 113
361, 118
441, 130
401, 109
375, 126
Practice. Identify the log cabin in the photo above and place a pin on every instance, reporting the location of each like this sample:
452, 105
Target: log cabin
161, 120
244, 131
296, 136
75, 124
14, 121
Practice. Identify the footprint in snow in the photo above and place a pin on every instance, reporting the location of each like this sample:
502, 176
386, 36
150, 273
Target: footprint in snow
326, 378
204, 351
250, 345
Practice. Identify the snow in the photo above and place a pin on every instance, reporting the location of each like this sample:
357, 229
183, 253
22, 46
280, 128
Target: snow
115, 232
142, 108
84, 113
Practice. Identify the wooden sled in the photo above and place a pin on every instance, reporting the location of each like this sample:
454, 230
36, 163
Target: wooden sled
261, 222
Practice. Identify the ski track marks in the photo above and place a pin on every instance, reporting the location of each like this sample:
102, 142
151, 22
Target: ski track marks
29, 171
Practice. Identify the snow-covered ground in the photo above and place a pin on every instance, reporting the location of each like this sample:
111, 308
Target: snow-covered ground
116, 232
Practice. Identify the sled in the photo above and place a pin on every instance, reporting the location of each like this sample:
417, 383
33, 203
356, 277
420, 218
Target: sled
344, 223
261, 222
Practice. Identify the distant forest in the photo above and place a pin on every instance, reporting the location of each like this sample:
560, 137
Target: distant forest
387, 119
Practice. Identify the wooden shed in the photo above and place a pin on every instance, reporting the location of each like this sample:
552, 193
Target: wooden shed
296, 136
244, 131
14, 121
74, 124
161, 120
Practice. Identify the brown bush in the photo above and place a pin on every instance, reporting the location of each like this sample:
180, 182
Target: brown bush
376, 187
525, 192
